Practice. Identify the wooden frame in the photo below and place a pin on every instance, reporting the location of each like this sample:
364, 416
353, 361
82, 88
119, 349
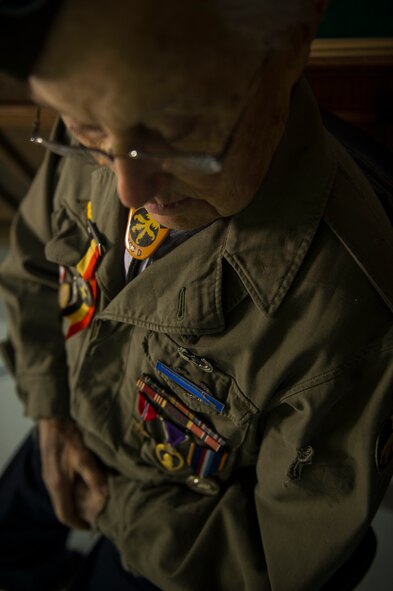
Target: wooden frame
379, 49
353, 77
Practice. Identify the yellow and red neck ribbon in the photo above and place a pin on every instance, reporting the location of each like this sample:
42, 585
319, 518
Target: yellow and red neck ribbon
78, 292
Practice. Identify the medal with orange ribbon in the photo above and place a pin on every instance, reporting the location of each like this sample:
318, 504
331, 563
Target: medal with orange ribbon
78, 292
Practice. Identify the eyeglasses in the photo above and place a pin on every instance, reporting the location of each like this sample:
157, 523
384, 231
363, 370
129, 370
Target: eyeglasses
195, 163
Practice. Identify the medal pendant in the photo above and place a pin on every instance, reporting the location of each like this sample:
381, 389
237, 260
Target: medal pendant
203, 486
169, 458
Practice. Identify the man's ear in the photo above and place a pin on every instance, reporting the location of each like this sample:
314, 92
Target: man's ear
293, 29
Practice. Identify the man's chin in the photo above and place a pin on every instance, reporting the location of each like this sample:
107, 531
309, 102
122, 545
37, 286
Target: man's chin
191, 218
159, 207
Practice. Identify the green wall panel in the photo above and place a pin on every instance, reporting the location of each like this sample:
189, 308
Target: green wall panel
358, 18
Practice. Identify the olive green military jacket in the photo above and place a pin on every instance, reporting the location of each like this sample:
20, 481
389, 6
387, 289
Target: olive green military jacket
269, 315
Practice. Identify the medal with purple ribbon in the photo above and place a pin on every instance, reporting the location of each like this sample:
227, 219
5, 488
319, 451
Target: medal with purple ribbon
173, 434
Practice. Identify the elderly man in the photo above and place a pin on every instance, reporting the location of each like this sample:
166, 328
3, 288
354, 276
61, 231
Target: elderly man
209, 366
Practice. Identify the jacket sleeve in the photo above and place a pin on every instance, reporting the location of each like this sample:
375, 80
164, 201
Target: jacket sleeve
332, 448
34, 351
286, 523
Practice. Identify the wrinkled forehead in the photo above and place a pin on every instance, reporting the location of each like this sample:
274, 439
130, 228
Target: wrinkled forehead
177, 57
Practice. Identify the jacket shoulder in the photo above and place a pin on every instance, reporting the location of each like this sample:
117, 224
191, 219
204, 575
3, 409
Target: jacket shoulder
358, 219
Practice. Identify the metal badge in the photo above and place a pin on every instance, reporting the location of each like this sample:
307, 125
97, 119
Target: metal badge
190, 387
203, 486
200, 362
143, 234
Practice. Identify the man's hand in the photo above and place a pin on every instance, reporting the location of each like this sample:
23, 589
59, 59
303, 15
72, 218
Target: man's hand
89, 502
76, 481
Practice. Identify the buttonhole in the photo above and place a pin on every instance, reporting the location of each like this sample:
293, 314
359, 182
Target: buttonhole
181, 304
95, 329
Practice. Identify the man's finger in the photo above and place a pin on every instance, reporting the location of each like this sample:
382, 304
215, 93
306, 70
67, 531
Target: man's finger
61, 494
65, 458
89, 502
92, 474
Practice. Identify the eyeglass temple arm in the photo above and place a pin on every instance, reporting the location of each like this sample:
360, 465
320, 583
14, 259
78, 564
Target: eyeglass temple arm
36, 124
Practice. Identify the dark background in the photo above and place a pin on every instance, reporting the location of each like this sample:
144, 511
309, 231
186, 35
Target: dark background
358, 18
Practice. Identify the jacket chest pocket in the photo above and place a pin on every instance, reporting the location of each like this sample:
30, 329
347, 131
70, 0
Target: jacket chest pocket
194, 416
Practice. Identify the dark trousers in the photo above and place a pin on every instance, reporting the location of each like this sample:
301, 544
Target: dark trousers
33, 553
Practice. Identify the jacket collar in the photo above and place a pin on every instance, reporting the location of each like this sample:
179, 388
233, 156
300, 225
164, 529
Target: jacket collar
180, 292
265, 244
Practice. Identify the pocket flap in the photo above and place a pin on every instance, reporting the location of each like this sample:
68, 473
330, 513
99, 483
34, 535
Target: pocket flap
233, 420
70, 239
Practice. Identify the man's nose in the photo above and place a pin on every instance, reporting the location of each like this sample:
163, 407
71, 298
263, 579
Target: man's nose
137, 181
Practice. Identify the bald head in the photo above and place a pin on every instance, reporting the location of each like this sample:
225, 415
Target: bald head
179, 74
124, 50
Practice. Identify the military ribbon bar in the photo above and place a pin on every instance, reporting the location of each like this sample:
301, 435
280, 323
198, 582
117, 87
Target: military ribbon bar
179, 413
204, 461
